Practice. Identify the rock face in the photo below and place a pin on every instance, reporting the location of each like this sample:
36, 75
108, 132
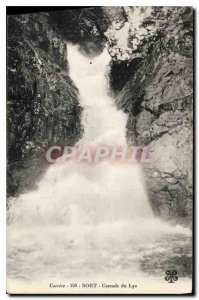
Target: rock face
84, 27
158, 98
43, 106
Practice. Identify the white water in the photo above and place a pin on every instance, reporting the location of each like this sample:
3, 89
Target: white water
86, 219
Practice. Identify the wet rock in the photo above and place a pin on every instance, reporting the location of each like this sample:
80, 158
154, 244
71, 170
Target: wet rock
171, 180
178, 174
174, 186
43, 103
143, 123
145, 137
158, 99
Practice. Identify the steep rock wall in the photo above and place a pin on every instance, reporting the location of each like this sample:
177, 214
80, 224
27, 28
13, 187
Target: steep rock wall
42, 106
158, 98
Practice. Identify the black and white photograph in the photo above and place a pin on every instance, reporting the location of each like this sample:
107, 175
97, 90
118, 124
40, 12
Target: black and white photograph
99, 132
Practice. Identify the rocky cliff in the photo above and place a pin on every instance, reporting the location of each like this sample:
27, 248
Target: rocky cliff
158, 98
42, 105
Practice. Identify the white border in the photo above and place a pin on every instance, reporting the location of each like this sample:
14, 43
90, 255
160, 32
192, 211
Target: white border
194, 3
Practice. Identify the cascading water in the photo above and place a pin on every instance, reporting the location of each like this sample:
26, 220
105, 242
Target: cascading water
89, 219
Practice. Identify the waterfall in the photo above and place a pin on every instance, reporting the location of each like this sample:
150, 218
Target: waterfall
92, 217
101, 192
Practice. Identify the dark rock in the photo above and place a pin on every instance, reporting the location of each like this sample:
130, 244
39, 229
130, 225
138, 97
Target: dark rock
121, 71
43, 103
158, 99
